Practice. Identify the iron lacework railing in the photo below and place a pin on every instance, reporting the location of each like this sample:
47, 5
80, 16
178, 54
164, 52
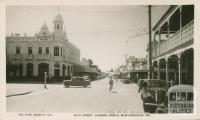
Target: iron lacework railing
183, 36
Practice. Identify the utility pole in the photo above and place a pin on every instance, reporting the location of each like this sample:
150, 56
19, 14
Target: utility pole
150, 46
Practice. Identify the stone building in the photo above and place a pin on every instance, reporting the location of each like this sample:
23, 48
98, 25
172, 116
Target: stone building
28, 57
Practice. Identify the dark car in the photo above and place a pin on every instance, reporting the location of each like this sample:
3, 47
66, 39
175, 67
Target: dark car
126, 80
153, 93
77, 81
140, 84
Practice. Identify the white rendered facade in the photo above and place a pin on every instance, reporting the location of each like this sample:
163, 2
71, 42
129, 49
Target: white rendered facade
45, 52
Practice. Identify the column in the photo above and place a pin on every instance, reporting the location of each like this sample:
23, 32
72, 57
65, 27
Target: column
159, 41
71, 70
168, 29
52, 69
61, 68
59, 50
187, 63
158, 69
153, 70
66, 70
24, 69
179, 68
180, 18
167, 70
35, 69
179, 71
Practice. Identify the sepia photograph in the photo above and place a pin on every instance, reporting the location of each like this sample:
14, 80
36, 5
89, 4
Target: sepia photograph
100, 59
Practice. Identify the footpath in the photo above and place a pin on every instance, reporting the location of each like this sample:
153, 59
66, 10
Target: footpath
15, 89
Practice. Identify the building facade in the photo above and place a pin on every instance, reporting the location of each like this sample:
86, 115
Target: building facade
133, 63
172, 49
28, 57
86, 68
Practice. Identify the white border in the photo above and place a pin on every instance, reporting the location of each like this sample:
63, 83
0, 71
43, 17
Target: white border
60, 116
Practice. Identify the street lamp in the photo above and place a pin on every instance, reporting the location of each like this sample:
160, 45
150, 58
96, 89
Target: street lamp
45, 80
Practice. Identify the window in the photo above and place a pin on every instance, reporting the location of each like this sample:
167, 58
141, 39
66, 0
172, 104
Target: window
61, 51
29, 50
190, 96
17, 50
40, 50
56, 51
57, 26
47, 50
183, 96
172, 96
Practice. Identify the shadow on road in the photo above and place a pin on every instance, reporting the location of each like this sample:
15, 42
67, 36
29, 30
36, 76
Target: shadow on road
114, 92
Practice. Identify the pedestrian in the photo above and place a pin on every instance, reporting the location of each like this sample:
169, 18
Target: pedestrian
111, 84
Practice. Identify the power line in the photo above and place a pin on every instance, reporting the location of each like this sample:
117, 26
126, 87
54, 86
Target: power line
99, 32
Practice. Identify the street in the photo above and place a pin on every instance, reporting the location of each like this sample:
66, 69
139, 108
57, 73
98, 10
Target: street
94, 99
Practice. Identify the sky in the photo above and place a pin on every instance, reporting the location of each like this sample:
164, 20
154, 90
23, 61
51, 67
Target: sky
102, 33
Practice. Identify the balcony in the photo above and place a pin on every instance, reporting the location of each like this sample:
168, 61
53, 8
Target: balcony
28, 56
16, 56
42, 57
58, 58
182, 38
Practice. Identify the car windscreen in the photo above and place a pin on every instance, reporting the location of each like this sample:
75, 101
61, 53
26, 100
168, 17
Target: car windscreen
157, 84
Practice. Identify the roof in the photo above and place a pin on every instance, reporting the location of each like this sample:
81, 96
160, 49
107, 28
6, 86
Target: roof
164, 17
181, 88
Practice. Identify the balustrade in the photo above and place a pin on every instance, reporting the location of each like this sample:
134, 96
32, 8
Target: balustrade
28, 56
175, 41
43, 56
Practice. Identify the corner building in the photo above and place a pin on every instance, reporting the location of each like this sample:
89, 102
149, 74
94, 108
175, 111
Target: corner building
28, 57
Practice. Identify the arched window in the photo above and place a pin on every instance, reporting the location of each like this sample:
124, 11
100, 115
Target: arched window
57, 26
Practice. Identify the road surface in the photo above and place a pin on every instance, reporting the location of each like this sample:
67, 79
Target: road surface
94, 99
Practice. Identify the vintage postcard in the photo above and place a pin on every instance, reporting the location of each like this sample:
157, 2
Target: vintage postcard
110, 60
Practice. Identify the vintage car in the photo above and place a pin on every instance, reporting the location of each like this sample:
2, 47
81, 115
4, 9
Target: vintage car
140, 84
179, 100
77, 81
153, 93
126, 80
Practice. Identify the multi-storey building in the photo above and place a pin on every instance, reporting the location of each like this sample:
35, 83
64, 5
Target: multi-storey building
132, 62
172, 51
30, 56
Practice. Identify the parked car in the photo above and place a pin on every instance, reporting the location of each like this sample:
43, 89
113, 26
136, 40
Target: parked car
153, 92
126, 80
140, 84
77, 81
179, 100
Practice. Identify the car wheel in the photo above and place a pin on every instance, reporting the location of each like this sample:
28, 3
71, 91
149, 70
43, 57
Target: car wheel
84, 85
145, 107
67, 85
